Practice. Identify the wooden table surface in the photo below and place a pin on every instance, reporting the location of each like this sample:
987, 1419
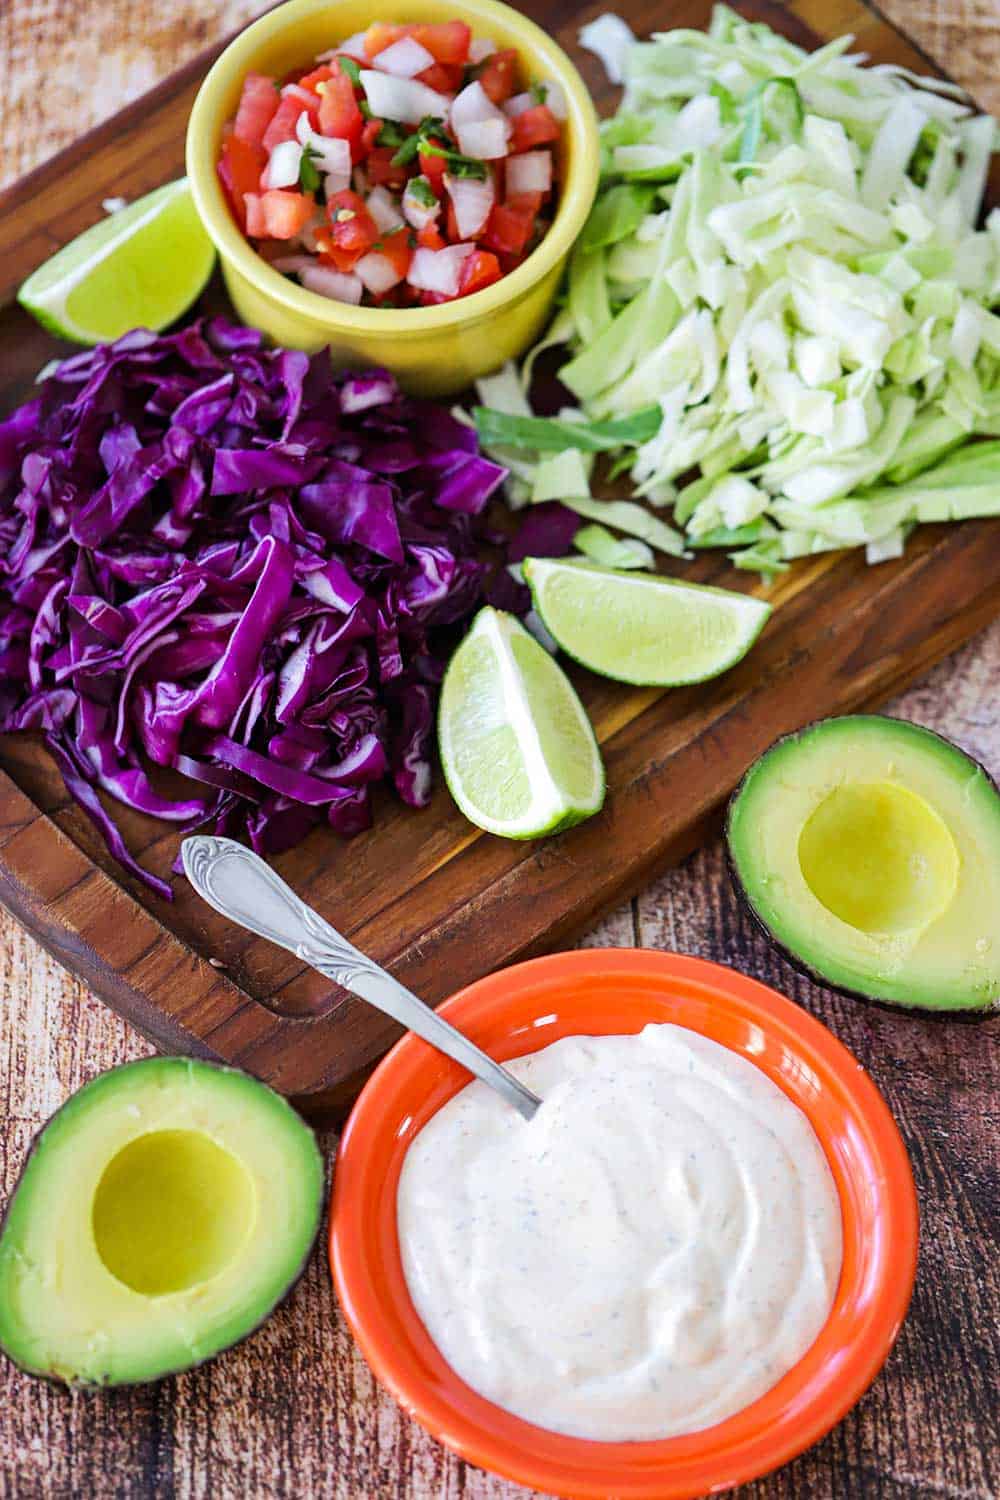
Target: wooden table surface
294, 1414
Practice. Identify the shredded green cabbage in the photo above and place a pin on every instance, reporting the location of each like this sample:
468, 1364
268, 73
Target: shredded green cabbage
785, 264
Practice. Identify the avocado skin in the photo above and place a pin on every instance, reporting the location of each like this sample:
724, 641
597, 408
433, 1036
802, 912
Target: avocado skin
797, 961
80, 1384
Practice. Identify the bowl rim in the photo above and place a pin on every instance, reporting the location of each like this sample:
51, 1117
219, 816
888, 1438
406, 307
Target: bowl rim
575, 199
880, 1223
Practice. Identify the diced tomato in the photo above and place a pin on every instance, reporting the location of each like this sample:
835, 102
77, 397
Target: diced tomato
278, 214
317, 76
271, 250
481, 269
258, 105
446, 78
352, 228
499, 76
282, 126
446, 41
380, 35
535, 127
510, 263
340, 260
381, 170
242, 165
369, 137
434, 168
339, 114
396, 248
347, 229
509, 229
525, 203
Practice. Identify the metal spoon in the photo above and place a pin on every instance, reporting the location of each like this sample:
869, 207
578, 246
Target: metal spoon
244, 888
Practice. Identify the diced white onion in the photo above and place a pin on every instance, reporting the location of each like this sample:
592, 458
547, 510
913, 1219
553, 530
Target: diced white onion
304, 131
404, 59
472, 202
114, 205
336, 182
377, 272
330, 153
530, 172
609, 38
353, 47
552, 95
282, 170
517, 105
555, 98
481, 128
480, 48
486, 140
293, 264
333, 284
295, 91
331, 156
403, 99
382, 207
439, 270
415, 212
473, 103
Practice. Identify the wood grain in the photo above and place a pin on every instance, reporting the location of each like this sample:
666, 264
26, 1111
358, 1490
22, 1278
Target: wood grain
294, 1413
427, 895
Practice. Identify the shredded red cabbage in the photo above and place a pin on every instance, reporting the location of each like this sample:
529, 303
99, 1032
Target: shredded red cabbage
229, 561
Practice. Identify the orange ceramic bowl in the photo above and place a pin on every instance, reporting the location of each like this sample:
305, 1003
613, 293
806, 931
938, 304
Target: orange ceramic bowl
593, 992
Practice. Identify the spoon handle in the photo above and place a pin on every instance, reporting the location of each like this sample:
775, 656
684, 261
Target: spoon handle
244, 888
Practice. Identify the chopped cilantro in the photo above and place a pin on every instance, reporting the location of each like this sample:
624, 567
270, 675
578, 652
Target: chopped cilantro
391, 135
407, 150
431, 139
421, 192
309, 178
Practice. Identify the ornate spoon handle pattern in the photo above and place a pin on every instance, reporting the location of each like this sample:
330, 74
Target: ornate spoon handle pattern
244, 888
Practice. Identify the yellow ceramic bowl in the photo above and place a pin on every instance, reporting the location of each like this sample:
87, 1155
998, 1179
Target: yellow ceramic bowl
433, 350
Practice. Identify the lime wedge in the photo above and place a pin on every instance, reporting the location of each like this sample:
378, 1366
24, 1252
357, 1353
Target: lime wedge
140, 267
516, 745
638, 628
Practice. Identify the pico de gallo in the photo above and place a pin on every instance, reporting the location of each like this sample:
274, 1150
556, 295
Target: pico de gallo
408, 166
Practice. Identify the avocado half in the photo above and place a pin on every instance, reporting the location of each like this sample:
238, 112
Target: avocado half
869, 849
161, 1215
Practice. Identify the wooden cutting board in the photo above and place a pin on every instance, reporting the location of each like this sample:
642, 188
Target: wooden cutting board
424, 892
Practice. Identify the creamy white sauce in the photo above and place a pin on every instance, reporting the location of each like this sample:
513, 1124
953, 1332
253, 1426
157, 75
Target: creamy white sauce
645, 1257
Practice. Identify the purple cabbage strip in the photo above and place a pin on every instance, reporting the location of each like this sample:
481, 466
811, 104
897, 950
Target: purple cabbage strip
547, 530
229, 562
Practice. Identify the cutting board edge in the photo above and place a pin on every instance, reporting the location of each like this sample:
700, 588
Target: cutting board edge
33, 911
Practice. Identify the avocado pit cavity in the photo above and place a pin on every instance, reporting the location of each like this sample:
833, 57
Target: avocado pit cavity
172, 1210
879, 857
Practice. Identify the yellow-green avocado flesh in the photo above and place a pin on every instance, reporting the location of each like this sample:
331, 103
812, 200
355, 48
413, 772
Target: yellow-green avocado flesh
161, 1215
869, 848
